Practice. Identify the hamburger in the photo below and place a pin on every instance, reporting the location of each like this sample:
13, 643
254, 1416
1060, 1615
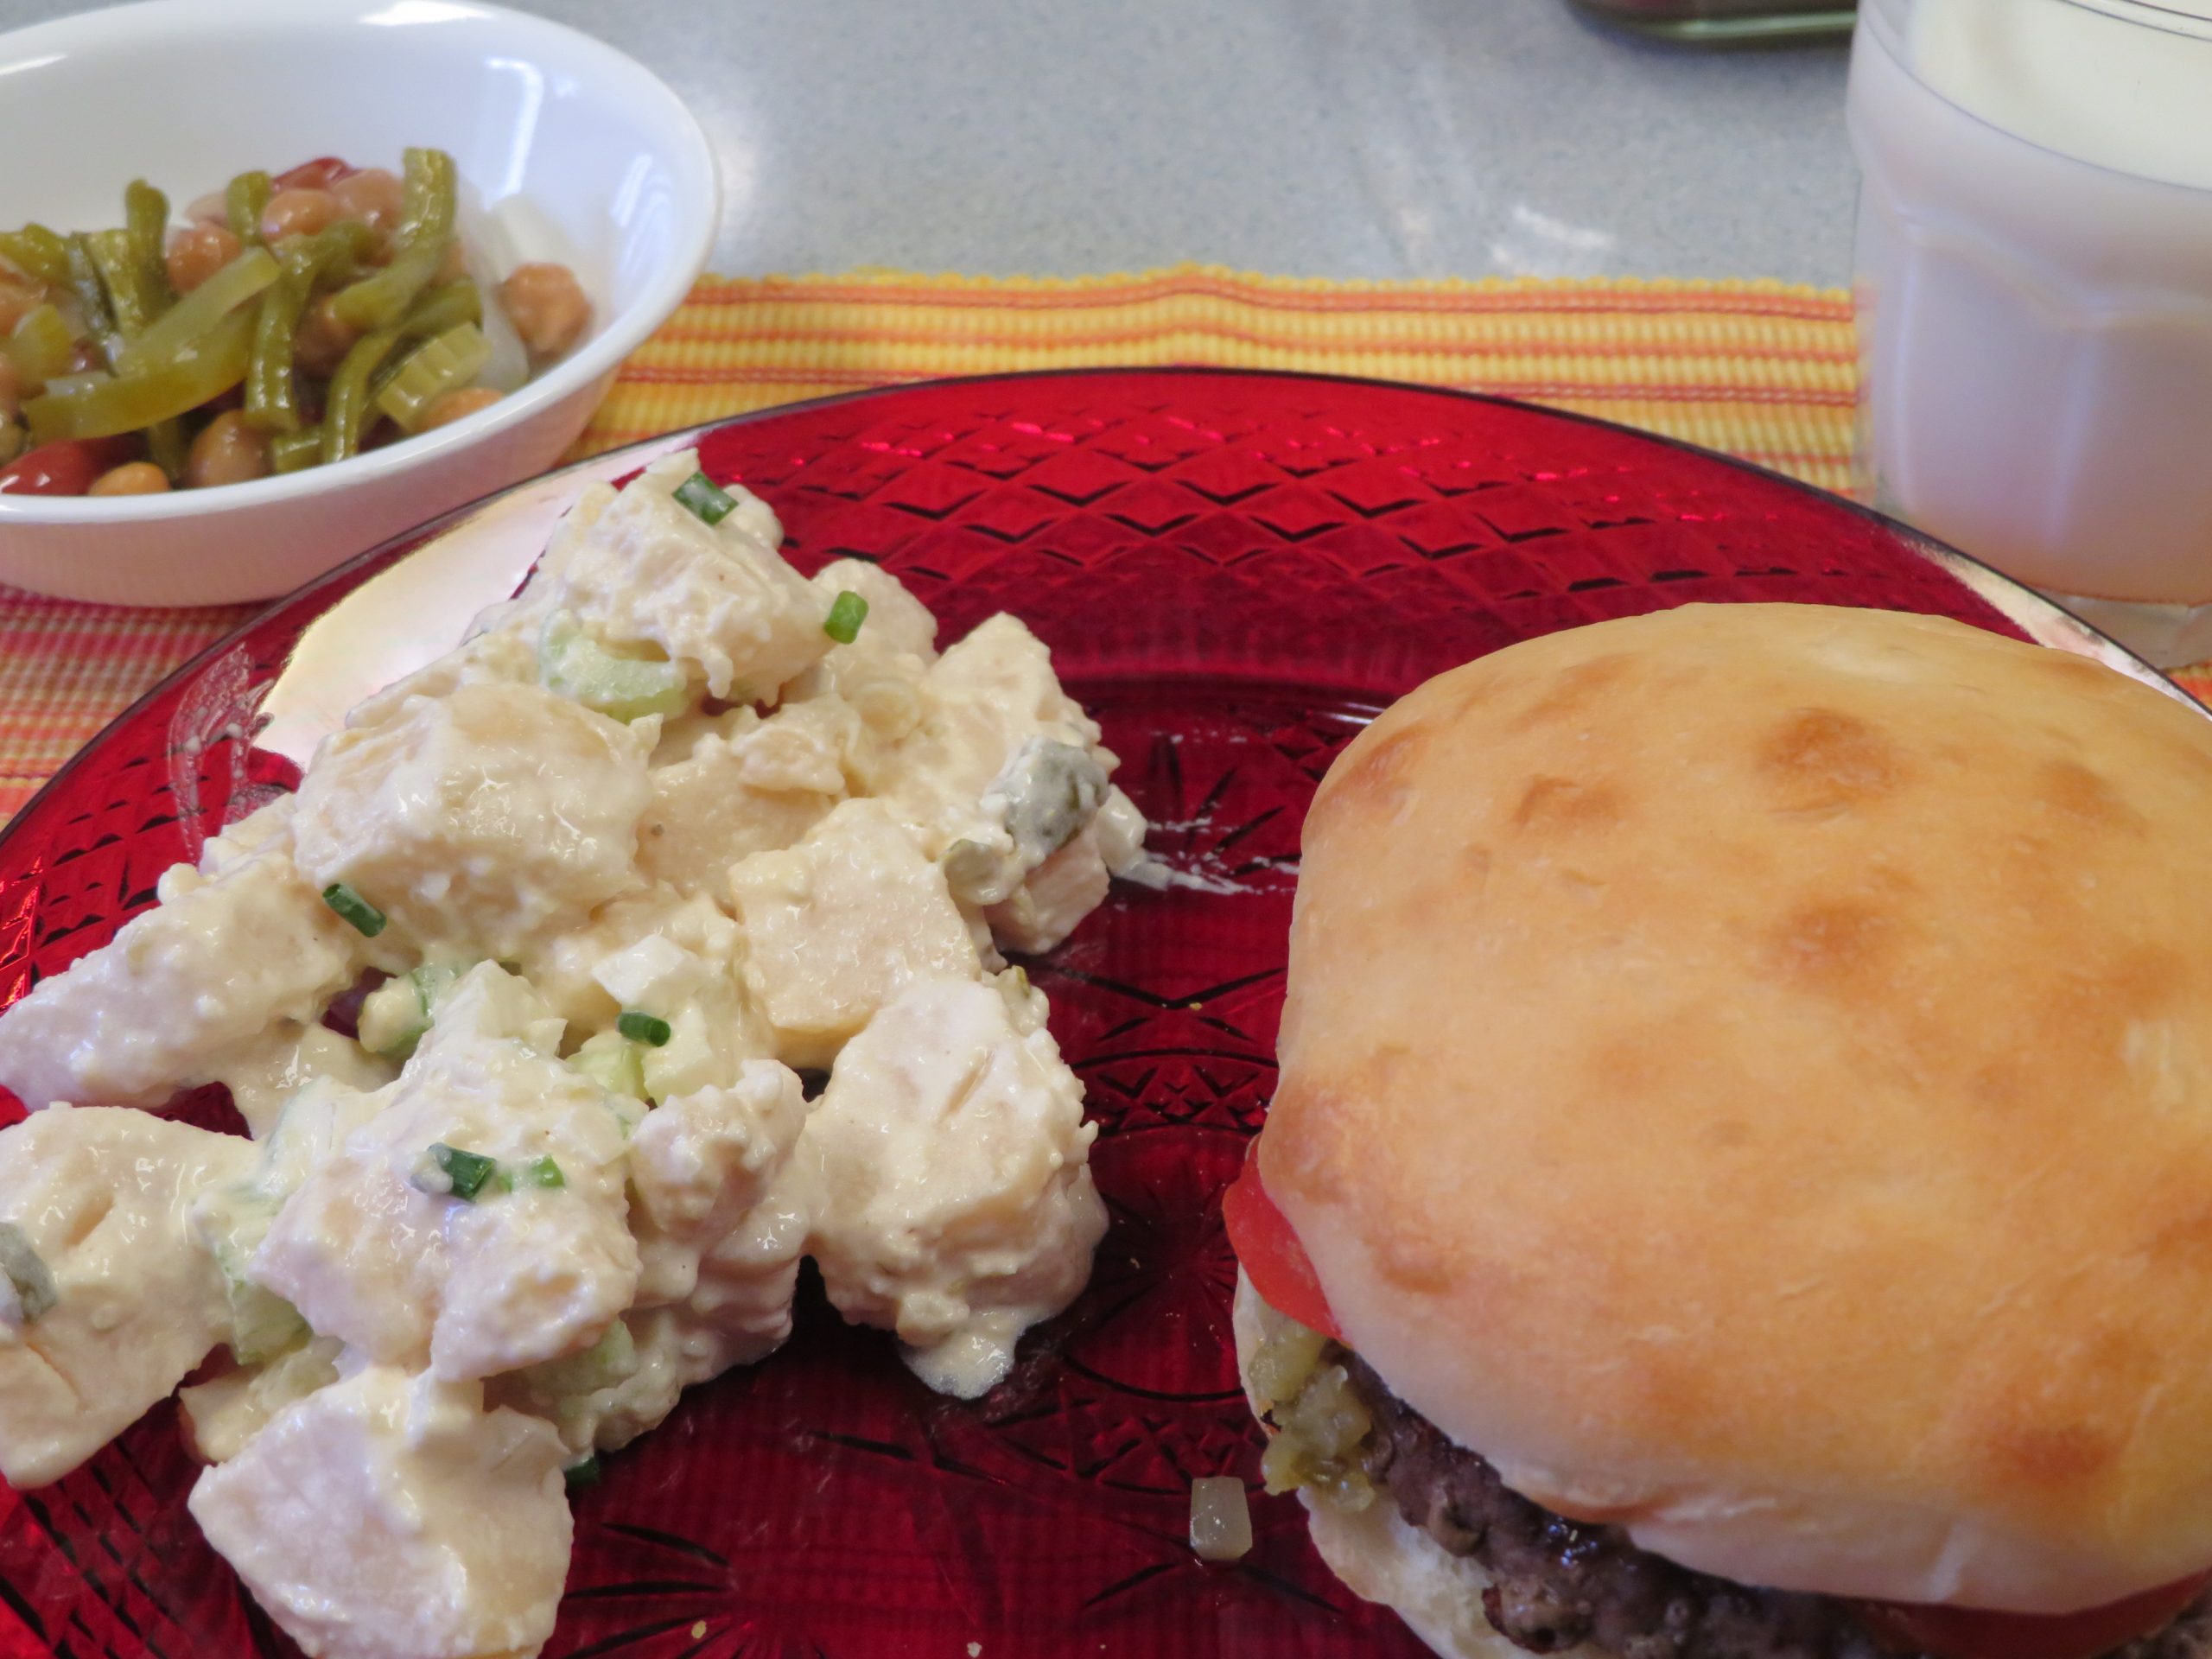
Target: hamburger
1740, 1185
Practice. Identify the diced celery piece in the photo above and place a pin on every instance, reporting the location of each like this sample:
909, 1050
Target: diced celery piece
393, 1018
103, 408
613, 1061
573, 664
195, 316
439, 365
263, 1324
610, 1361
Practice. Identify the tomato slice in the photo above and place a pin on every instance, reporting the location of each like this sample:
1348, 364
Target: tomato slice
317, 174
1268, 1249
1970, 1633
65, 467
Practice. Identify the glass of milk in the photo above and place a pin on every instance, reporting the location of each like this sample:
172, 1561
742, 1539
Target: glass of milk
2035, 296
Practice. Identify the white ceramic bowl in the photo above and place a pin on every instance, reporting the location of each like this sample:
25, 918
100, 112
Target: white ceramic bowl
570, 150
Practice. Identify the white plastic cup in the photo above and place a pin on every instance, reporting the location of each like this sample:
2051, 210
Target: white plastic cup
2034, 293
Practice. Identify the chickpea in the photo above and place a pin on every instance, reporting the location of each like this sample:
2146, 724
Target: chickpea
299, 213
322, 340
454, 405
547, 306
227, 451
11, 390
197, 253
373, 195
132, 478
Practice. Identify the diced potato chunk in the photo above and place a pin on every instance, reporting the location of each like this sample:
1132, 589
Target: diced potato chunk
841, 923
478, 822
391, 1517
184, 989
752, 786
703, 1159
986, 697
97, 1196
896, 620
371, 1249
953, 1199
718, 599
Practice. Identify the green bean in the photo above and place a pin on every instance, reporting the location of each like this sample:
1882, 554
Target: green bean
96, 406
345, 406
271, 400
91, 296
167, 447
426, 228
244, 201
38, 253
444, 307
431, 203
291, 452
119, 273
146, 223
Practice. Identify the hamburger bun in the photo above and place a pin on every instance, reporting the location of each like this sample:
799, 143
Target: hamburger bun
1747, 1073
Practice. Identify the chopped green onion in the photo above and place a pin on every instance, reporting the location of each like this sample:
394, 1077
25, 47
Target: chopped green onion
467, 1171
366, 919
649, 1029
708, 504
582, 1475
24, 1269
544, 1171
846, 615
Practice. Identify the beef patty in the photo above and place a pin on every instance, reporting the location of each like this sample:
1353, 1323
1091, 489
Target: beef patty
1557, 1584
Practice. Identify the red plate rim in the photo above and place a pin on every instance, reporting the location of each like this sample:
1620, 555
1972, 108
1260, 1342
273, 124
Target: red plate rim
2046, 622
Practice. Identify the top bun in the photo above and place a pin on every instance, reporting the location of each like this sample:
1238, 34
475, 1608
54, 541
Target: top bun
1748, 1073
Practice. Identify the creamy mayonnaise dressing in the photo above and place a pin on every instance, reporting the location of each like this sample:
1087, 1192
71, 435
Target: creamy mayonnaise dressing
647, 845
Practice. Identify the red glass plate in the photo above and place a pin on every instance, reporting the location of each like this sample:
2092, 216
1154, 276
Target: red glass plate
1235, 572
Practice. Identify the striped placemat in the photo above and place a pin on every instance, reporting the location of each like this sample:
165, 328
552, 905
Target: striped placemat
1757, 369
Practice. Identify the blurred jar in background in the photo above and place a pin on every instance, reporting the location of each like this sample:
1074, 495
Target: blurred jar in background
1721, 21
2034, 289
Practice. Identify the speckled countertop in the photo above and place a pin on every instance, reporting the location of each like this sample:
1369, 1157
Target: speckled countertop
1304, 138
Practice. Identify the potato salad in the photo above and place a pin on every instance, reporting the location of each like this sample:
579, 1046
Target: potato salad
671, 903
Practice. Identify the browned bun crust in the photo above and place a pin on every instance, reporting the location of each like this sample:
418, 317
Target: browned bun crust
1748, 1073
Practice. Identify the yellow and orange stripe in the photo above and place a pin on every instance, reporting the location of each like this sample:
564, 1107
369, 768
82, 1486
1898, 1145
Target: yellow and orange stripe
1761, 370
